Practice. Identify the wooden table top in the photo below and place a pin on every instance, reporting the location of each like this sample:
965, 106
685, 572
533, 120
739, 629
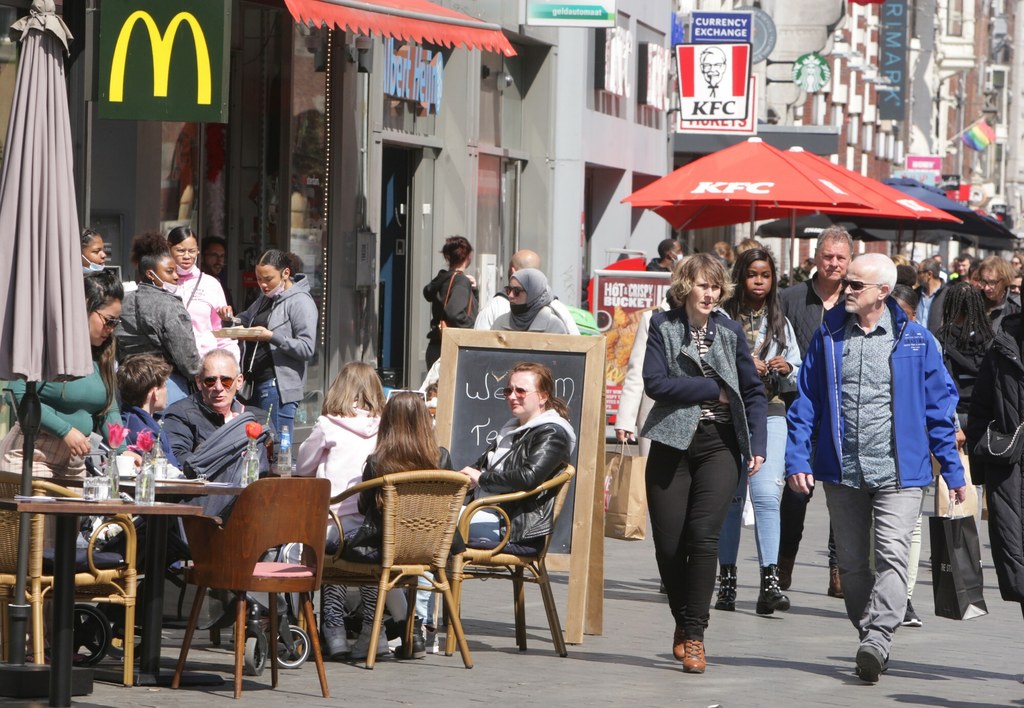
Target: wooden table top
166, 487
77, 507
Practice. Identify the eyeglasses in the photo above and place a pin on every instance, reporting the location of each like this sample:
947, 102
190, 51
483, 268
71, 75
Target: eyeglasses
185, 251
225, 381
514, 291
109, 322
990, 283
516, 391
857, 285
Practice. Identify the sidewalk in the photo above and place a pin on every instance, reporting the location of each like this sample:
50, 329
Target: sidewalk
803, 657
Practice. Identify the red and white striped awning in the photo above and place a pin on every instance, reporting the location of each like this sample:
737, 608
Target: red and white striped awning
406, 20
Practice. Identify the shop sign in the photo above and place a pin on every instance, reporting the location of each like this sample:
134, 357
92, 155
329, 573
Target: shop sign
892, 59
620, 300
811, 72
926, 169
654, 66
556, 13
765, 34
721, 28
725, 126
165, 60
714, 81
412, 73
612, 71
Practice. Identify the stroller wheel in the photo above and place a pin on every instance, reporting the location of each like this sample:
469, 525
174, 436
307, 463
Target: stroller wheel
91, 635
255, 658
296, 656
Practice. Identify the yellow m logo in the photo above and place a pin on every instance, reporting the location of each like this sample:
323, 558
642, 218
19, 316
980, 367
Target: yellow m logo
162, 46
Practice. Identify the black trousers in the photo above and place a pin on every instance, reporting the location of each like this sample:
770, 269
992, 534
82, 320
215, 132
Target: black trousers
688, 494
792, 513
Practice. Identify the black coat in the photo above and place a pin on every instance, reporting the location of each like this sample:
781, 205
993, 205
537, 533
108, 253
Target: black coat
803, 308
999, 399
537, 454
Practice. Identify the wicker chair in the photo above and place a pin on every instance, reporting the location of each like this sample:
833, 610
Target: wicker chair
114, 585
269, 512
420, 511
511, 564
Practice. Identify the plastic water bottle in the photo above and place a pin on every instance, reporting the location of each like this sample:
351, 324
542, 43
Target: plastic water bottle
284, 453
145, 484
250, 464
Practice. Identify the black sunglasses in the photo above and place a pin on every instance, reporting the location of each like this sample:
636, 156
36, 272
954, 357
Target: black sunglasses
857, 285
225, 381
513, 290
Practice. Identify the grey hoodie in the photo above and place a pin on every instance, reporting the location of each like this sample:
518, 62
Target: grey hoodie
293, 320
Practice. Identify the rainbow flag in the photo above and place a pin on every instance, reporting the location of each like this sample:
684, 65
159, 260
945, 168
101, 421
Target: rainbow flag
979, 136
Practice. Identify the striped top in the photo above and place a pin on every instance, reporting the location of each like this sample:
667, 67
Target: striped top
714, 409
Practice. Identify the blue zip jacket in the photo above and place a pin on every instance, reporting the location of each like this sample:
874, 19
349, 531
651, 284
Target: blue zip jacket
922, 404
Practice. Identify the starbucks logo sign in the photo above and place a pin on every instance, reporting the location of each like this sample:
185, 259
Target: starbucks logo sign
811, 72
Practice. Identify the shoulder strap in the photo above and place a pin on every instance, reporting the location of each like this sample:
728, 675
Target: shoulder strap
198, 280
451, 282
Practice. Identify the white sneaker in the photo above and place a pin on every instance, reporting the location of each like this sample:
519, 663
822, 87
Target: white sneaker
335, 643
362, 646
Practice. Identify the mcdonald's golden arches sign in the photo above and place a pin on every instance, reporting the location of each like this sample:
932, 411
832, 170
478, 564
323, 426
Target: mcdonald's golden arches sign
165, 60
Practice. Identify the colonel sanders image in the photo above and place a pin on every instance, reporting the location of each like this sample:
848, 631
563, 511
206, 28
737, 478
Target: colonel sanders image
712, 66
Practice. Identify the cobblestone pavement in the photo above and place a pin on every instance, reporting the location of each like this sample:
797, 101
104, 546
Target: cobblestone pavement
803, 657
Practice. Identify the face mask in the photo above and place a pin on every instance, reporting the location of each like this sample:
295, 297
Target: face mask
678, 257
172, 288
276, 291
183, 271
91, 267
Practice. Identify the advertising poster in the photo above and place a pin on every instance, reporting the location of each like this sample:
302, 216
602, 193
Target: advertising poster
620, 300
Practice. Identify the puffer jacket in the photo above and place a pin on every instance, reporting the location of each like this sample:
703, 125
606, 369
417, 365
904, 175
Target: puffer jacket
153, 321
999, 399
539, 451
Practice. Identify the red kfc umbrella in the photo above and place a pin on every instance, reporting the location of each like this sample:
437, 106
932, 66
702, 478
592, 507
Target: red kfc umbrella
748, 181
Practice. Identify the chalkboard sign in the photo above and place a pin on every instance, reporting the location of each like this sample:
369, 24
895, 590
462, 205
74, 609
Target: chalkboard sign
471, 408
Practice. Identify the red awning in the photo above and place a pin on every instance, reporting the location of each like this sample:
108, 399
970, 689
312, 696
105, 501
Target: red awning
405, 20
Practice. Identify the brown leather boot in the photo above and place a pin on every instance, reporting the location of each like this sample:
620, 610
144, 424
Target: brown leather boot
678, 640
835, 587
786, 564
694, 662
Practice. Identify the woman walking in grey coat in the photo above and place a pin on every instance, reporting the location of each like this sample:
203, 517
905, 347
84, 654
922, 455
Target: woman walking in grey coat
276, 357
709, 410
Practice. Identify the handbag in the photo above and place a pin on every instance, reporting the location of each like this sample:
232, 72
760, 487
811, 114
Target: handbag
363, 544
996, 448
956, 568
625, 496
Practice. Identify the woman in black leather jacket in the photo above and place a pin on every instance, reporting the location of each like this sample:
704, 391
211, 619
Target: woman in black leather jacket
531, 448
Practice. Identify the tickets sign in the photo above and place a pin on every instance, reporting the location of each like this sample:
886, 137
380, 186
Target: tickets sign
620, 300
726, 126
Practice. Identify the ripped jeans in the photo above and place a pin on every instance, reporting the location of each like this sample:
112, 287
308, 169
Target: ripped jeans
765, 496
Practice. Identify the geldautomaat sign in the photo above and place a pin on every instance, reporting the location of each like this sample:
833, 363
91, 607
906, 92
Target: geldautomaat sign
164, 60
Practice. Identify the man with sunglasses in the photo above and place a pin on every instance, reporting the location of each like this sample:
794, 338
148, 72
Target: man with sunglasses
192, 421
869, 379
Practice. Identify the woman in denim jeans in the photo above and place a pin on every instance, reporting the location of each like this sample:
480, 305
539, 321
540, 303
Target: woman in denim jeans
276, 356
755, 306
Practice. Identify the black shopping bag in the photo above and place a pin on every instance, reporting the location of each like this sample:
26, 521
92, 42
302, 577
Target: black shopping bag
956, 568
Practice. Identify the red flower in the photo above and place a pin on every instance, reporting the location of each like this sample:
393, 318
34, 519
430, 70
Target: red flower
145, 441
116, 435
253, 430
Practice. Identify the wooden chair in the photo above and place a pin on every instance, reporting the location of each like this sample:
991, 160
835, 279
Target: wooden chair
269, 512
114, 583
420, 511
511, 563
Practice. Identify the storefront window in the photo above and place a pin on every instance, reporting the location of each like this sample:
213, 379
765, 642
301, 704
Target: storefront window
8, 74
409, 71
497, 207
307, 222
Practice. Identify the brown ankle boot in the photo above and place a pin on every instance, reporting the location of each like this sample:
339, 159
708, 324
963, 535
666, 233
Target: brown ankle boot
835, 587
678, 640
694, 662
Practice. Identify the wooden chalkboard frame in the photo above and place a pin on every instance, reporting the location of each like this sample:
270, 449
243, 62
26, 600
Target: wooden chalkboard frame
585, 561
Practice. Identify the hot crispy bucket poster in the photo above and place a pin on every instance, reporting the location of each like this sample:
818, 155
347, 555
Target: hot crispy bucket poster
621, 298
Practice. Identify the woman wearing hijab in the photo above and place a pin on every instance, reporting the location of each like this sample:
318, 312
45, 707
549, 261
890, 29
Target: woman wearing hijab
530, 299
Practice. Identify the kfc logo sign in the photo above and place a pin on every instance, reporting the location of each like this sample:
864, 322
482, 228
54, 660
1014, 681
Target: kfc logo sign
714, 81
733, 187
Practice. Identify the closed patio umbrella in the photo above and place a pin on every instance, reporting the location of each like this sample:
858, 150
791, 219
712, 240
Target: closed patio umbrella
44, 331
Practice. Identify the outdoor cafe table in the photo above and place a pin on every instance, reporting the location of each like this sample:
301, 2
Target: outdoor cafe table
67, 513
152, 608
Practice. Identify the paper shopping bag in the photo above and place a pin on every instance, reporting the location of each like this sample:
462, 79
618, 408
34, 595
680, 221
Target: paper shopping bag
942, 491
625, 496
956, 568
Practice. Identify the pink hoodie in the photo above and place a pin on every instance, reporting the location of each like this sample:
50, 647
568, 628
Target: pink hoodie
202, 306
336, 450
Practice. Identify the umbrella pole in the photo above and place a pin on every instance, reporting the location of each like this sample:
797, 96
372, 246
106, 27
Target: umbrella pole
29, 413
752, 215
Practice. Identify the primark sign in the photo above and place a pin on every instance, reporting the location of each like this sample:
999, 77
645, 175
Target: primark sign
414, 74
892, 59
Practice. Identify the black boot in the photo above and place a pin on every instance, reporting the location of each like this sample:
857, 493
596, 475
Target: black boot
419, 645
771, 597
727, 589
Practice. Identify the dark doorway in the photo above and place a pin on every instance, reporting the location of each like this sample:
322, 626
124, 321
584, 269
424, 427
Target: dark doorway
396, 178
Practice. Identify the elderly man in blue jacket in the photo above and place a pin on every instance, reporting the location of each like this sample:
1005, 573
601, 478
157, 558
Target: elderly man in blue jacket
869, 380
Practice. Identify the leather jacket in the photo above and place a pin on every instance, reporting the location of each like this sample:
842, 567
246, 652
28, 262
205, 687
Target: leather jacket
536, 455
